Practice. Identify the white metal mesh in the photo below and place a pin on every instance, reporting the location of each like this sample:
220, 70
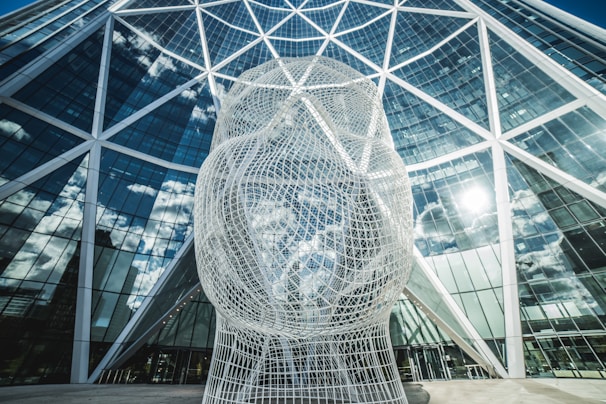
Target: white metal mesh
303, 238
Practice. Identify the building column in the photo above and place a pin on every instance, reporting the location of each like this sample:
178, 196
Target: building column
81, 347
514, 349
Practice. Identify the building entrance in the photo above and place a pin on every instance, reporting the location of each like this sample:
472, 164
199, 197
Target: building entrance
429, 362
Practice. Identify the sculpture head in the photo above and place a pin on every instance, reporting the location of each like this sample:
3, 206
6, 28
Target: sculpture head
303, 208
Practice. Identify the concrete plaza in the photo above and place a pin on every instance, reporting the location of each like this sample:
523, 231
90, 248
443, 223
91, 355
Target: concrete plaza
501, 391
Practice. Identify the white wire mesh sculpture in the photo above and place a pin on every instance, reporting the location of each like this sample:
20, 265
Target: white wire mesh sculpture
303, 238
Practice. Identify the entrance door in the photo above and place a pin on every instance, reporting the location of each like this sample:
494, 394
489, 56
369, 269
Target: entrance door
428, 363
179, 366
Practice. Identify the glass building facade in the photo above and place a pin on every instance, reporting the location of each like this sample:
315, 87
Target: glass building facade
107, 110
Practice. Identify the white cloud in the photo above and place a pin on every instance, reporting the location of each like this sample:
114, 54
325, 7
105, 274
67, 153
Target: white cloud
10, 128
198, 114
161, 64
150, 270
142, 189
118, 39
178, 187
421, 228
550, 263
44, 256
189, 94
144, 61
527, 201
141, 44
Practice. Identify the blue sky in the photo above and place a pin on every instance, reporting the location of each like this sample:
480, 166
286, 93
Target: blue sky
591, 10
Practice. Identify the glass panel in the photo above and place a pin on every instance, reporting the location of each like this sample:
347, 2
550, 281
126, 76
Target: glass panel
474, 311
232, 40
460, 272
438, 4
189, 118
453, 75
144, 214
491, 263
493, 312
461, 193
358, 14
234, 13
476, 270
139, 74
415, 33
420, 131
296, 49
182, 278
255, 56
336, 52
39, 265
268, 17
559, 40
175, 31
46, 218
554, 298
571, 143
422, 288
523, 90
67, 89
156, 3
295, 28
370, 40
444, 272
24, 51
26, 143
327, 17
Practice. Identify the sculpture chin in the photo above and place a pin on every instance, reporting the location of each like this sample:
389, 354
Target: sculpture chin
303, 236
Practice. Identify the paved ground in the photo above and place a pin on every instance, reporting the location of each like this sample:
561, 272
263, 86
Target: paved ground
517, 391
512, 391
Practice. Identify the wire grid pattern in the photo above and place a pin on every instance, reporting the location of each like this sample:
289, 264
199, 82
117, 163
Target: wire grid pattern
303, 238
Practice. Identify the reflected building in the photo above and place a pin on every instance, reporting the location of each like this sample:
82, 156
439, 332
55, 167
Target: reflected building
107, 110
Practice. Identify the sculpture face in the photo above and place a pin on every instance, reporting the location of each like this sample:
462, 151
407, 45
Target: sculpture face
303, 207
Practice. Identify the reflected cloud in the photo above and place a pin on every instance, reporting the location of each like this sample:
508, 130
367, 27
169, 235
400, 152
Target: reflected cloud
160, 65
424, 224
144, 60
118, 39
149, 271
550, 266
199, 114
45, 254
547, 265
170, 219
523, 224
10, 128
189, 94
436, 222
600, 180
142, 189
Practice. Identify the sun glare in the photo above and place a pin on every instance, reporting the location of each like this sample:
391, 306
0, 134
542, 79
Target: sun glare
474, 199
